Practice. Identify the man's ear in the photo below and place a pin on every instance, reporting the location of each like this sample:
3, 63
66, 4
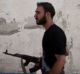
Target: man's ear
47, 14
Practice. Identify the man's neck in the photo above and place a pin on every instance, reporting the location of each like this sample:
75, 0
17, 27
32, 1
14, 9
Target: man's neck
48, 24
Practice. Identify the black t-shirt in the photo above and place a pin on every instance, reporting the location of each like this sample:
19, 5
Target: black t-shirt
54, 42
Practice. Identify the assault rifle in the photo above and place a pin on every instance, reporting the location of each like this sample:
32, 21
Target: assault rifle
36, 60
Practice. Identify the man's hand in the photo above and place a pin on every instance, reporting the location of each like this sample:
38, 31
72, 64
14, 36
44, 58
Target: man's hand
37, 65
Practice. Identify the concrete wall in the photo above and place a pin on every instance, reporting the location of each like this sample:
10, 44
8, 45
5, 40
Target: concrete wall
28, 40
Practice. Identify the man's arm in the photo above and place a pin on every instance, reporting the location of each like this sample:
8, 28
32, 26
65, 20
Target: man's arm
58, 66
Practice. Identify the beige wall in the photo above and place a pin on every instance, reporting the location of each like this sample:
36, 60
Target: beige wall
27, 41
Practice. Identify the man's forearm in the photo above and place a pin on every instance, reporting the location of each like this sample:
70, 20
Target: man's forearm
58, 66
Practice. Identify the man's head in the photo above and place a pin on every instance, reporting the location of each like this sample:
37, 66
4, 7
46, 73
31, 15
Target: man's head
43, 11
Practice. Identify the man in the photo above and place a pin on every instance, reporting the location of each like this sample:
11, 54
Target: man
54, 40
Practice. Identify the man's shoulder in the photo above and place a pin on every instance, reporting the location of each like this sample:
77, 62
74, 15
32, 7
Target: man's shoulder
56, 29
57, 32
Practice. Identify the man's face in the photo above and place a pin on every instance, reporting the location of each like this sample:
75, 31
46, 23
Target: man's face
40, 16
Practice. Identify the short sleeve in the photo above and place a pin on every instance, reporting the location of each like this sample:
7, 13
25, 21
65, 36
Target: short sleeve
60, 44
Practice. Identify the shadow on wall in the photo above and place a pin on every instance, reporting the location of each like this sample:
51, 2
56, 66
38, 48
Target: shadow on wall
8, 28
31, 24
14, 27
